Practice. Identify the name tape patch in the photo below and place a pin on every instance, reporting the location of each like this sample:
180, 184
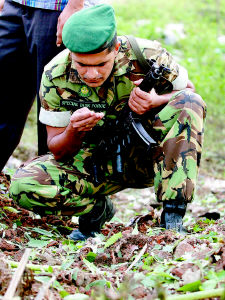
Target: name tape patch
73, 104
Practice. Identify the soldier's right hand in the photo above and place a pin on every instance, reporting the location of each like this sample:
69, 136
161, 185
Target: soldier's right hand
84, 119
1, 4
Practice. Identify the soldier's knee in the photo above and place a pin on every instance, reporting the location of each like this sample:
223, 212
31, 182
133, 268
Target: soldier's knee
22, 190
187, 99
19, 184
15, 187
198, 99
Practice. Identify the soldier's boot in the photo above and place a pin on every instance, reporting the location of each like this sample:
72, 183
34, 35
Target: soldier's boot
172, 215
92, 222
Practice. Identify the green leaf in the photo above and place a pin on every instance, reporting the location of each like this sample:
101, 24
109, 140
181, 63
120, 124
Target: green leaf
168, 248
190, 287
211, 236
50, 269
42, 279
148, 282
119, 254
43, 232
221, 274
64, 193
157, 247
180, 259
57, 286
75, 273
149, 260
37, 243
135, 230
3, 187
165, 275
66, 264
102, 283
10, 171
113, 239
77, 296
18, 223
208, 285
3, 226
90, 266
91, 256
197, 228
11, 209
63, 294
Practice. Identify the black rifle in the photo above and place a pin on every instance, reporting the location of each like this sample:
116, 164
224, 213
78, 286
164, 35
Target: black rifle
115, 145
150, 80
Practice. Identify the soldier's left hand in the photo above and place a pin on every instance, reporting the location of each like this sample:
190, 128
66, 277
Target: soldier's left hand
140, 102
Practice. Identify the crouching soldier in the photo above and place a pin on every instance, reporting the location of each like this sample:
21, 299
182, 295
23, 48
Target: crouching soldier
106, 133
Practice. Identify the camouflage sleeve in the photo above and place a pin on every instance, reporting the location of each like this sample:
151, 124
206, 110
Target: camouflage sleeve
181, 80
52, 113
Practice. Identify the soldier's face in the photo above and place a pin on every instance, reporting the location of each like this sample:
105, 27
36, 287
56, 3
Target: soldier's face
94, 69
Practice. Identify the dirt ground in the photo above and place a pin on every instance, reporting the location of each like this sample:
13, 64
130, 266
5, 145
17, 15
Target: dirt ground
133, 258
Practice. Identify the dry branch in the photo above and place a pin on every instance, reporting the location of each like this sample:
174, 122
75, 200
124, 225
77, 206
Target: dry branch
17, 276
137, 258
44, 289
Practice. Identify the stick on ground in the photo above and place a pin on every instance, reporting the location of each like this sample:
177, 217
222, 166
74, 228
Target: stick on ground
17, 276
44, 289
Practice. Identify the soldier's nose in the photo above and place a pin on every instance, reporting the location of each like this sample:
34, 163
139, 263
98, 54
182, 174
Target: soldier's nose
91, 73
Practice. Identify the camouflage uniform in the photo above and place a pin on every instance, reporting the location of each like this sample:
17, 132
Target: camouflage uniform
68, 187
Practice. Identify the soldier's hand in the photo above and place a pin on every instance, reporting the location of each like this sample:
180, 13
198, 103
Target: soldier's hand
84, 119
140, 102
71, 7
1, 4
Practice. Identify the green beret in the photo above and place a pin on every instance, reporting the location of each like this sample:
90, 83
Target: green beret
89, 29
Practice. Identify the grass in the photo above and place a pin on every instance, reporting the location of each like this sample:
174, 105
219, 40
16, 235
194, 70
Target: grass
200, 52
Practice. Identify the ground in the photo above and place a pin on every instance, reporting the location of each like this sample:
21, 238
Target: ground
132, 258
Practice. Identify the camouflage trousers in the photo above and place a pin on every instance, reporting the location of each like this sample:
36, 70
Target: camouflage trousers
68, 188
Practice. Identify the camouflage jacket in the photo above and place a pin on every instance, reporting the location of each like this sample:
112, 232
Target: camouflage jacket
62, 91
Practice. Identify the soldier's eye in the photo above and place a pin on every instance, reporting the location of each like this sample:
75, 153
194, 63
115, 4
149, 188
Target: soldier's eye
102, 64
82, 65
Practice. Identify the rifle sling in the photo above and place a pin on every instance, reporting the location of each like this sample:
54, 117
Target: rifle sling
145, 66
137, 51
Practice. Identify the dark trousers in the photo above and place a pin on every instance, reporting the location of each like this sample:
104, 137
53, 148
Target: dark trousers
27, 44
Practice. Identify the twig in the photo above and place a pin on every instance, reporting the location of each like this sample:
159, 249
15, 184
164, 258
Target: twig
137, 258
42, 268
199, 295
50, 295
17, 276
44, 289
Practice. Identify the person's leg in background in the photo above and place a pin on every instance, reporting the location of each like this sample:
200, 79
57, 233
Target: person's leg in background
18, 84
40, 28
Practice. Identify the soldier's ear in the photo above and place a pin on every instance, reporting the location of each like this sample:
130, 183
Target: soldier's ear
117, 47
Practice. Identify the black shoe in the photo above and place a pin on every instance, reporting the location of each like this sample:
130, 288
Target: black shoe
92, 222
172, 215
76, 235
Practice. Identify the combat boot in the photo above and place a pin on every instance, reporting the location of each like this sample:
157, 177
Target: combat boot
172, 215
92, 222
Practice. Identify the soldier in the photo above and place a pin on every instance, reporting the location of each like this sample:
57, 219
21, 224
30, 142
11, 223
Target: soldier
84, 91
